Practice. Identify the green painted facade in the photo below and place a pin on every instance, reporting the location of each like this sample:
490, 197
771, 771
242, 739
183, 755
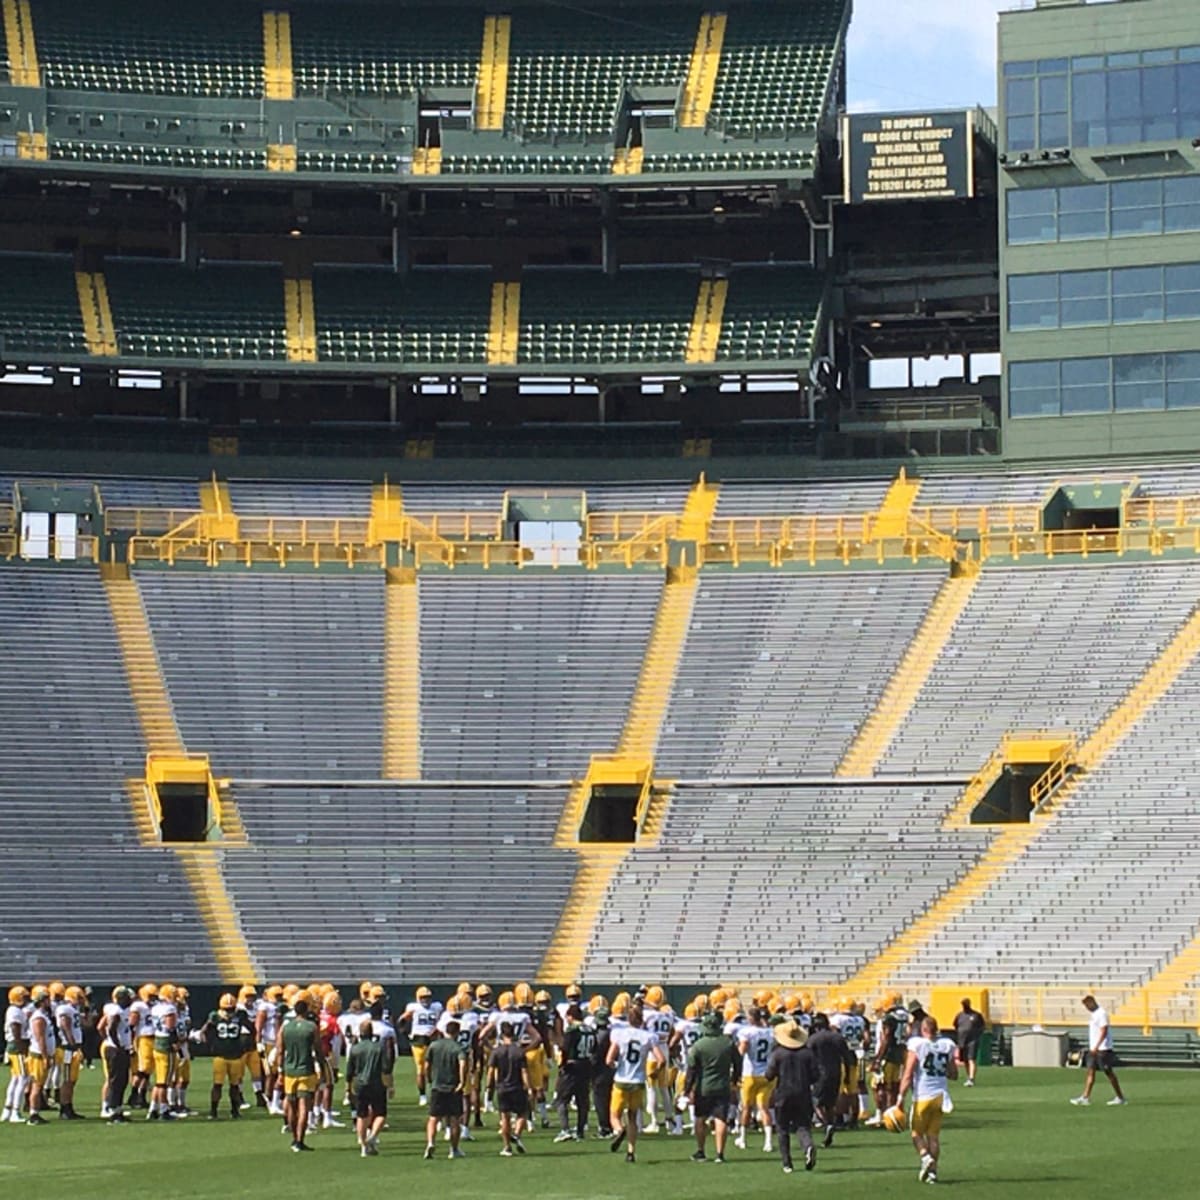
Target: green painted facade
1074, 31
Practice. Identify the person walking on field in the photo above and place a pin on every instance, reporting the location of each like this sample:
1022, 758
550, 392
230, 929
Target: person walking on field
1100, 1055
794, 1071
968, 1030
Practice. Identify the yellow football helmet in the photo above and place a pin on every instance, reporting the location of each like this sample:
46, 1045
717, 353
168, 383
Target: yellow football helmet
483, 992
167, 993
700, 1000
507, 1000
332, 1003
895, 1119
776, 1005
423, 993
541, 997
274, 993
717, 997
574, 991
733, 1006
597, 1002
762, 997
655, 996
182, 995
454, 1005
689, 1011
290, 992
303, 996
523, 994
75, 995
19, 994
228, 1002
620, 1004
57, 989
807, 1003
377, 993
148, 992
364, 989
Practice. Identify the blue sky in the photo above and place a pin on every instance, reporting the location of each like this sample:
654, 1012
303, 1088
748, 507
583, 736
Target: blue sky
914, 54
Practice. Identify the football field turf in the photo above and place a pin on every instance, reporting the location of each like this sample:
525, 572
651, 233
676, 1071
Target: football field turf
1014, 1135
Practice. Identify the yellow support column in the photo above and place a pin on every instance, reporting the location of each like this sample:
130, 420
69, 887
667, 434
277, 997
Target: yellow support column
893, 517
301, 320
24, 68
402, 676
702, 71
504, 326
427, 160
1009, 845
628, 160
218, 522
491, 94
281, 157
876, 733
705, 334
278, 80
33, 147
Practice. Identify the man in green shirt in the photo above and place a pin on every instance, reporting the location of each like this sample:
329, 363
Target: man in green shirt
446, 1072
366, 1067
709, 1080
223, 1032
300, 1052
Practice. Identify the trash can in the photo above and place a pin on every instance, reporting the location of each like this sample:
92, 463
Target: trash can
1039, 1048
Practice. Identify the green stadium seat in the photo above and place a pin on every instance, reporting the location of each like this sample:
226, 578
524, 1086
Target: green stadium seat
771, 315
39, 306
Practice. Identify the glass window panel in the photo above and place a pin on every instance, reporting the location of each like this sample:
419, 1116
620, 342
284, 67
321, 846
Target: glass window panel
1185, 190
1150, 57
1086, 398
1124, 60
1037, 402
1034, 314
1033, 375
1182, 285
1019, 68
1184, 395
1189, 89
1138, 382
1189, 54
1183, 380
1182, 197
1079, 285
1161, 128
1158, 91
1019, 98
1089, 108
1083, 212
1087, 62
1020, 133
1032, 287
1136, 207
1052, 130
1124, 95
1052, 93
1032, 202
1048, 66
1024, 231
1137, 295
1081, 372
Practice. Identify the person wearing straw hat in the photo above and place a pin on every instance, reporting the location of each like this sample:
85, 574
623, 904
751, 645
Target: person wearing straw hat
793, 1070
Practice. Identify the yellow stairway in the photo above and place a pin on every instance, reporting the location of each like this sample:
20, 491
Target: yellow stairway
705, 334
504, 327
1011, 843
278, 79
702, 71
893, 516
877, 732
301, 318
98, 329
402, 676
564, 959
24, 69
491, 93
1179, 977
202, 866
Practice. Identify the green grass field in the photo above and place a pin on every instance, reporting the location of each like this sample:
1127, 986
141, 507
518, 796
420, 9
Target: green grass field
1015, 1134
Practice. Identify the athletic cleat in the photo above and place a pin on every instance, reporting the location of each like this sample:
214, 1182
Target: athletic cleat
928, 1167
629, 1156
456, 1153
699, 1156
422, 1101
874, 1122
428, 1150
518, 1145
296, 1147
740, 1142
810, 1158
829, 1131
1080, 1101
35, 1119
932, 1177
506, 1152
653, 1127
969, 1083
787, 1168
1117, 1102
306, 1147
565, 1136
719, 1160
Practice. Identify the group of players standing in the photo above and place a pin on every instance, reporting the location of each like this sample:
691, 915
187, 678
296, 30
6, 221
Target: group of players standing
773, 1064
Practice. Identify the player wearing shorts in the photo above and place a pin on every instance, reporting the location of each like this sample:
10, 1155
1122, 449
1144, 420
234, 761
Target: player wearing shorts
631, 1050
853, 1029
16, 1052
224, 1032
710, 1070
660, 1020
888, 1063
420, 1019
931, 1061
754, 1045
541, 1018
164, 1019
460, 1011
297, 1045
41, 1051
68, 1017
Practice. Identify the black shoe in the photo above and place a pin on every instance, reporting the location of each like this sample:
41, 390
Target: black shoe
118, 1119
719, 1160
213, 1116
629, 1157
518, 1145
261, 1100
428, 1152
699, 1156
305, 1146
235, 1113
829, 1131
36, 1119
168, 1116
296, 1147
787, 1168
810, 1158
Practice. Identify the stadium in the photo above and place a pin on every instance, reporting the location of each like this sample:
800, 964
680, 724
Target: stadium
546, 495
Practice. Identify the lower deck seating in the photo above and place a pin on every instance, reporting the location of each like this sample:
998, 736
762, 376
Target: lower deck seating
82, 913
778, 882
71, 735
400, 815
400, 914
39, 306
273, 676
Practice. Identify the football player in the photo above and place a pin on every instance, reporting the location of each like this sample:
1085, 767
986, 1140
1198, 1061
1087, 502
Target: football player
660, 1019
853, 1029
542, 1017
58, 993
68, 1017
330, 1035
683, 1037
248, 1002
116, 1032
930, 1060
224, 1031
165, 1020
41, 1051
16, 1052
754, 1043
268, 1018
143, 1044
631, 1049
421, 1018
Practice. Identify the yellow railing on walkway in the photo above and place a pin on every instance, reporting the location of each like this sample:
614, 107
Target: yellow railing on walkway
1164, 510
1154, 540
252, 553
1055, 1007
980, 518
457, 526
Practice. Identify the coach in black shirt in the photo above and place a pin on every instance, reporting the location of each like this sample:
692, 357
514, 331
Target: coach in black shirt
794, 1071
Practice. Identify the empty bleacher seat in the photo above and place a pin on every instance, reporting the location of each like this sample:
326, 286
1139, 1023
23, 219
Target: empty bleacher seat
39, 306
771, 315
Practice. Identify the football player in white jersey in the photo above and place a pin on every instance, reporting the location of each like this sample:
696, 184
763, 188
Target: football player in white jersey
421, 1018
684, 1036
460, 1010
116, 1032
165, 1019
659, 1018
68, 1019
41, 1051
754, 1043
143, 1044
16, 1052
932, 1061
631, 1049
853, 1029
